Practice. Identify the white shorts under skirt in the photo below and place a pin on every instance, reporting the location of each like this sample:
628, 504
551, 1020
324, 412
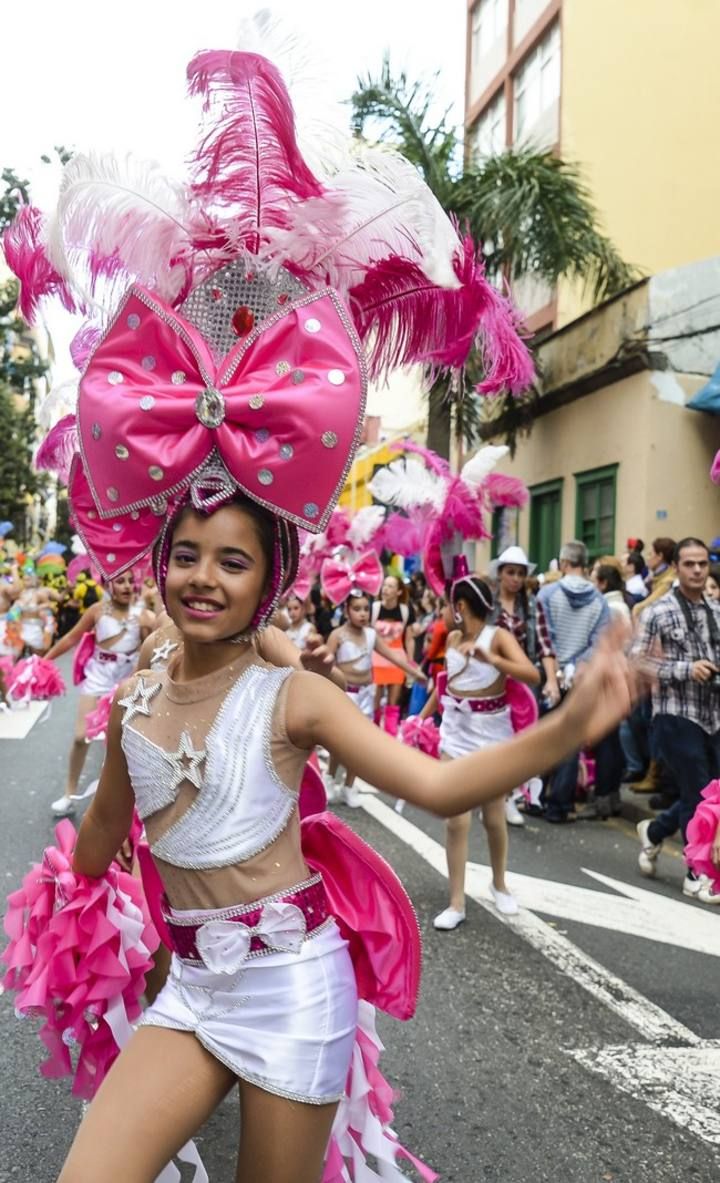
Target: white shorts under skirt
33, 633
465, 731
364, 699
103, 676
286, 1022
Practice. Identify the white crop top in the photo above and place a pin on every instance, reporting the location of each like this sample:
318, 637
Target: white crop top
241, 805
127, 632
348, 651
470, 673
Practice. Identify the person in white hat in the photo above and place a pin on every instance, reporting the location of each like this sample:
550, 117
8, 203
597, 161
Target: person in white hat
516, 610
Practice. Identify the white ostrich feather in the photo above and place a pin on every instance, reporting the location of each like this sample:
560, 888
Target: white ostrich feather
482, 463
60, 401
365, 524
126, 208
408, 484
378, 205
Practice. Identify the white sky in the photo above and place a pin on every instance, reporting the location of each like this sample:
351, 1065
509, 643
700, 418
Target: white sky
111, 77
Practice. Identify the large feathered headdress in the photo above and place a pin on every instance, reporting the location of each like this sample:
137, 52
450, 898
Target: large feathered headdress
232, 320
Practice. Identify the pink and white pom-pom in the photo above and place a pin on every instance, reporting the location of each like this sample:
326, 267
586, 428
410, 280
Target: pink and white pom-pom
701, 831
78, 953
421, 734
35, 678
96, 721
362, 1122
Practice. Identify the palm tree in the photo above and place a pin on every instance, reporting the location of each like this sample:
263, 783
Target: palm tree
530, 210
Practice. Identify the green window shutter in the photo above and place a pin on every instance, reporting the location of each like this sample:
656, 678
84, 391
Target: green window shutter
595, 507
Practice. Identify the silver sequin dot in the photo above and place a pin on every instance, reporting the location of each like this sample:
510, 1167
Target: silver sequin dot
178, 377
91, 513
256, 402
133, 321
117, 527
96, 431
313, 325
310, 509
112, 493
156, 472
147, 402
283, 367
121, 452
115, 378
111, 558
329, 439
262, 435
287, 452
336, 377
148, 362
298, 377
135, 515
159, 507
265, 476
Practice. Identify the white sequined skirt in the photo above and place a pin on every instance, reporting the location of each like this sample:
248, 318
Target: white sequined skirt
286, 1022
101, 677
463, 731
364, 698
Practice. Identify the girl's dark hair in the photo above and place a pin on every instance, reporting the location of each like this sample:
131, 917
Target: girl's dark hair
665, 547
611, 577
357, 593
476, 594
636, 561
295, 596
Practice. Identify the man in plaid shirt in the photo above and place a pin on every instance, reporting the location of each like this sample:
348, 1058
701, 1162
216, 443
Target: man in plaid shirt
680, 636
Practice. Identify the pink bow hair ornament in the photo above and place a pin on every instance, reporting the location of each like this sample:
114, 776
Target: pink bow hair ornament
338, 577
278, 418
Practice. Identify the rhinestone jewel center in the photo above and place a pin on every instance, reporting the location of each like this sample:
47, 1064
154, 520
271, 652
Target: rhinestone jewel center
210, 407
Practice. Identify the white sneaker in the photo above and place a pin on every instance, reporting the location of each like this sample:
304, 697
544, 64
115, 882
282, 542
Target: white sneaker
351, 796
504, 901
332, 791
707, 893
649, 852
513, 816
63, 807
693, 885
448, 920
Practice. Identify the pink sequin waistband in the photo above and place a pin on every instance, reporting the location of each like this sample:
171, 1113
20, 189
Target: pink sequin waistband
479, 706
308, 897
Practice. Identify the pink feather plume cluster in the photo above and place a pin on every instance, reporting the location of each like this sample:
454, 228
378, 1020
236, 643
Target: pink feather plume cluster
371, 228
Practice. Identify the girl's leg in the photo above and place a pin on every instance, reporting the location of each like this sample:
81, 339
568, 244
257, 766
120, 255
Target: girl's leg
282, 1141
156, 1096
493, 816
457, 830
78, 751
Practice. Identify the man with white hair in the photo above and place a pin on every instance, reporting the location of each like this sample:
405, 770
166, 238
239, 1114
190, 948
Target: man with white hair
575, 613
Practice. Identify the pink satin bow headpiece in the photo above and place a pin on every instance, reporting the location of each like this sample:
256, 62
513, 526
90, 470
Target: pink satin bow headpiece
224, 945
338, 576
278, 418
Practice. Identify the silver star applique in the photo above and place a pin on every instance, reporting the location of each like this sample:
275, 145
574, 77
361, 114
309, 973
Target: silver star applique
162, 652
138, 703
185, 764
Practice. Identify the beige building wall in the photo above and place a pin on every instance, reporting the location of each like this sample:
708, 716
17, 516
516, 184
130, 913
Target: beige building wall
663, 452
640, 95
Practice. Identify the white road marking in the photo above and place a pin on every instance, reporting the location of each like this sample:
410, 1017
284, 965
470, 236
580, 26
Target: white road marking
18, 723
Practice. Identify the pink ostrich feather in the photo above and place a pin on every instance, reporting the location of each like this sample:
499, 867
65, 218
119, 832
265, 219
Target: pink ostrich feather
83, 343
505, 490
404, 535
462, 513
405, 318
434, 462
56, 452
26, 256
248, 159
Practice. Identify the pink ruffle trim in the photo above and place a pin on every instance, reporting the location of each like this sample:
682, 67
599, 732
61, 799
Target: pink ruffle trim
78, 954
421, 734
36, 678
362, 1122
701, 833
96, 721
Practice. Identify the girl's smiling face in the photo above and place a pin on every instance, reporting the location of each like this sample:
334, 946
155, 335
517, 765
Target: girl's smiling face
217, 574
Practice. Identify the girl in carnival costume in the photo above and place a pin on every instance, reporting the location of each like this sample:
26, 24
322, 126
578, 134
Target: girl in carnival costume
353, 645
218, 411
34, 608
110, 632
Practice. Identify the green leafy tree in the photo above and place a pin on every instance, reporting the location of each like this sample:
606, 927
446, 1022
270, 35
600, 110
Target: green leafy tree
530, 211
21, 369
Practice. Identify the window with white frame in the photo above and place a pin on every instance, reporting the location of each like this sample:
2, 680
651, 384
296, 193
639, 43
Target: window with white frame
536, 93
488, 44
525, 14
489, 134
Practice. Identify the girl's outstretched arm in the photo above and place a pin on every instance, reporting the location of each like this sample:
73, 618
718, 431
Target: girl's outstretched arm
408, 667
107, 822
86, 622
317, 714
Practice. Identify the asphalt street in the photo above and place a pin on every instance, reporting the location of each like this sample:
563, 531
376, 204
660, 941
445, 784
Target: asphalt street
564, 1047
